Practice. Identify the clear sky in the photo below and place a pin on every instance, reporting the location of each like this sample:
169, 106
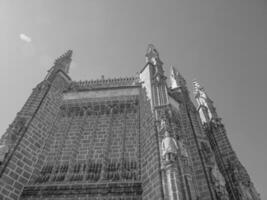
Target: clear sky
221, 43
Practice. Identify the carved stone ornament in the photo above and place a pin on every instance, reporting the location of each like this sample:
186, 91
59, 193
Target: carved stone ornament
19, 123
219, 183
208, 155
104, 83
119, 190
165, 125
241, 180
169, 145
3, 151
100, 108
245, 192
182, 148
217, 176
216, 122
162, 124
239, 173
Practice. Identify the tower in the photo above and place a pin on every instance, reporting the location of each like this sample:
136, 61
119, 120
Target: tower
126, 138
238, 182
24, 141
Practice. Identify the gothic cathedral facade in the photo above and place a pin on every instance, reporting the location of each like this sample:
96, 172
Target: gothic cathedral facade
120, 139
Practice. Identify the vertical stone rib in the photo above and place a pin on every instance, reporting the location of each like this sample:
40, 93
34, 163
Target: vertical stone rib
189, 116
139, 138
221, 162
64, 139
75, 148
92, 141
172, 186
58, 153
105, 155
78, 139
43, 148
123, 143
188, 187
63, 124
169, 185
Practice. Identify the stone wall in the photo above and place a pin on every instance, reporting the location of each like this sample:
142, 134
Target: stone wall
194, 135
150, 157
93, 152
40, 112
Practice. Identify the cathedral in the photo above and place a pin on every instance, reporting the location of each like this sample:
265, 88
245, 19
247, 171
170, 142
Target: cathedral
132, 138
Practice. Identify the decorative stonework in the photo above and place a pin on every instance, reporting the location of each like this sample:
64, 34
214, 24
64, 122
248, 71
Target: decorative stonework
3, 152
119, 139
218, 183
105, 84
117, 190
100, 108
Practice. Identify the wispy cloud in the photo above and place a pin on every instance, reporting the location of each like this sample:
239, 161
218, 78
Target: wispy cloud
25, 37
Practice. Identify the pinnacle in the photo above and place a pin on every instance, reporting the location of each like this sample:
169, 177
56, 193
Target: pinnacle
196, 85
151, 51
66, 55
180, 77
177, 80
151, 46
173, 70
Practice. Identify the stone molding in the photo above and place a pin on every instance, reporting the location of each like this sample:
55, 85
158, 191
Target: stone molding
105, 189
104, 83
99, 108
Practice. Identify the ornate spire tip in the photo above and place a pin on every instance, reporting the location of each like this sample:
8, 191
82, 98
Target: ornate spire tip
196, 85
66, 55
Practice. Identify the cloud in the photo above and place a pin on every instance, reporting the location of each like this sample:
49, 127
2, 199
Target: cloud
25, 37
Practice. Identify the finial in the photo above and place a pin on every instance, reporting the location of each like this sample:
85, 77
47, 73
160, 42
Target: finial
67, 55
181, 79
173, 70
199, 91
152, 55
151, 48
177, 80
197, 86
61, 63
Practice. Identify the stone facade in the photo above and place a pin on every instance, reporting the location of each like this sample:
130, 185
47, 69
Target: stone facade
119, 139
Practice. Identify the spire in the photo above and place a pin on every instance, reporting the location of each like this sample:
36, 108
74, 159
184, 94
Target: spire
152, 55
197, 87
206, 109
63, 62
66, 55
199, 90
176, 78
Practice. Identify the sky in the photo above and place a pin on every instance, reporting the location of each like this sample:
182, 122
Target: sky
221, 43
